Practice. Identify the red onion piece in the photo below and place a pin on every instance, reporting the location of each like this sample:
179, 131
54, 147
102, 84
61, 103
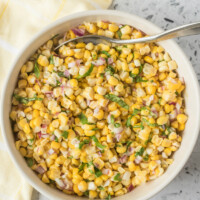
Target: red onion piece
123, 159
178, 107
130, 151
78, 31
172, 103
96, 110
60, 183
66, 73
78, 62
100, 61
51, 151
39, 135
130, 188
40, 169
138, 159
110, 61
182, 80
44, 126
106, 171
52, 137
71, 64
88, 102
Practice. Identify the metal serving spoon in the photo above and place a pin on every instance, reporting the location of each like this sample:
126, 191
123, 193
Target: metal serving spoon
184, 30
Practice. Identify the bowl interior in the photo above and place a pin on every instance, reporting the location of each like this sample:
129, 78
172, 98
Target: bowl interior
185, 70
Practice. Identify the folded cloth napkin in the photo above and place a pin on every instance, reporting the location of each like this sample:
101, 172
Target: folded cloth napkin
19, 21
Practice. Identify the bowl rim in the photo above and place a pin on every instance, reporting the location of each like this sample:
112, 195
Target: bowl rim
12, 152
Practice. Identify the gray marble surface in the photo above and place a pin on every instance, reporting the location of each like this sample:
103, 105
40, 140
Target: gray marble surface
167, 14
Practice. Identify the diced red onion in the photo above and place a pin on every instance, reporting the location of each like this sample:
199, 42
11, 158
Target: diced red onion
107, 183
138, 159
66, 73
39, 135
52, 137
151, 98
110, 61
60, 183
182, 80
172, 103
40, 169
112, 88
71, 64
130, 151
51, 151
78, 62
38, 82
99, 153
88, 102
100, 61
96, 110
130, 188
78, 31
44, 126
45, 135
178, 106
106, 171
123, 159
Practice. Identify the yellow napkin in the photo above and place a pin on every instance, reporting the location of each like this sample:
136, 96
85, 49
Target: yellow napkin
19, 21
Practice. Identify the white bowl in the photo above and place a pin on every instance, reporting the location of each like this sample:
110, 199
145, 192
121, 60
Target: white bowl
192, 100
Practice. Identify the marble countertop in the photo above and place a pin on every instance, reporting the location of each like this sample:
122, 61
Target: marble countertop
167, 14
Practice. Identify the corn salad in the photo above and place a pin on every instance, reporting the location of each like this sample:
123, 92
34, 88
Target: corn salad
98, 120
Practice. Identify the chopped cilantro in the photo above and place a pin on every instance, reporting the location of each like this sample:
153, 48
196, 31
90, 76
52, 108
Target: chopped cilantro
30, 162
51, 61
86, 73
140, 152
106, 53
25, 100
110, 70
83, 143
98, 144
36, 70
65, 134
146, 157
81, 167
117, 177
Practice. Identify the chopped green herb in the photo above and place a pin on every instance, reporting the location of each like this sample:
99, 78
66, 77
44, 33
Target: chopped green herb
36, 70
55, 36
159, 101
140, 152
128, 145
30, 162
117, 125
87, 73
83, 118
139, 79
97, 172
94, 56
106, 53
58, 83
56, 139
86, 193
25, 100
117, 177
90, 171
101, 188
146, 157
95, 129
119, 33
108, 197
112, 119
176, 93
148, 123
149, 139
102, 75
117, 99
132, 75
65, 134
133, 55
51, 61
110, 70
98, 144
61, 74
139, 126
70, 157
81, 167
83, 143
128, 122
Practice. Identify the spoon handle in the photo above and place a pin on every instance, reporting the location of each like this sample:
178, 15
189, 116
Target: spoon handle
180, 31
184, 30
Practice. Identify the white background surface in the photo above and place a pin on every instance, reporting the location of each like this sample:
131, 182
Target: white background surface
186, 186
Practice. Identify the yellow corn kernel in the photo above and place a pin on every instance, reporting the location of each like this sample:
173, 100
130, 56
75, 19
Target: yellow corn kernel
162, 76
82, 186
45, 179
37, 121
153, 165
13, 115
162, 120
150, 89
166, 143
73, 83
92, 194
104, 177
23, 151
60, 160
113, 81
135, 71
54, 173
172, 136
168, 151
79, 130
26, 128
98, 181
99, 115
132, 167
113, 27
121, 149
43, 61
148, 59
181, 118
50, 68
22, 83
181, 127
112, 106
98, 163
89, 132
116, 113
55, 145
119, 193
